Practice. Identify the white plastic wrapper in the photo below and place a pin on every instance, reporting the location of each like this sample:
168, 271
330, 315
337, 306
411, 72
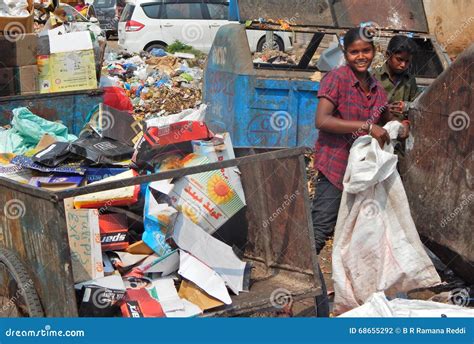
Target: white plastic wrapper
14, 8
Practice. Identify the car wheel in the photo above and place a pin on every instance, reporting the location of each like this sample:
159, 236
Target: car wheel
155, 46
277, 44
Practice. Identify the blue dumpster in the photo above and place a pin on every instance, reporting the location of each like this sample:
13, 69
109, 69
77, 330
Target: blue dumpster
260, 107
274, 106
71, 108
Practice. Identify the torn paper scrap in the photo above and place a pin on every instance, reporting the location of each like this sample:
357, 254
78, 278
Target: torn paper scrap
204, 277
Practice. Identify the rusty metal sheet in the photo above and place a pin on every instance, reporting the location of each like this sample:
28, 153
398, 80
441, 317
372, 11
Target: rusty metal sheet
438, 170
296, 12
276, 228
35, 229
408, 15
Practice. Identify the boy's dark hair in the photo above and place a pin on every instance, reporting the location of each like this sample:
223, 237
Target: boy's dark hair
401, 44
355, 34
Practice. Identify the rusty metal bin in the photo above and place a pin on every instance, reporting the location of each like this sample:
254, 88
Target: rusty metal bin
276, 227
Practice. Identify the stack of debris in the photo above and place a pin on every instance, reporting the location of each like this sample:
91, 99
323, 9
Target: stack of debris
140, 250
274, 57
160, 82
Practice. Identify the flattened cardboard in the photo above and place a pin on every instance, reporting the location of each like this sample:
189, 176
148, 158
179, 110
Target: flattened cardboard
18, 53
84, 241
191, 292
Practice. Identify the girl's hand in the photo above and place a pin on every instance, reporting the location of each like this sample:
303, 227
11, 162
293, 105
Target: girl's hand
380, 134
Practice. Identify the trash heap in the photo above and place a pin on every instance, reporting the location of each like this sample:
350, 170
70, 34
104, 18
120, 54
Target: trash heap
140, 250
274, 57
158, 83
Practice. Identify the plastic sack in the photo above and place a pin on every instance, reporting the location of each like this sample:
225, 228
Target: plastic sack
15, 8
376, 244
28, 129
377, 306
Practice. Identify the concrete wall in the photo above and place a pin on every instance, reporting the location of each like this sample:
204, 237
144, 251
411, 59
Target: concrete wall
452, 21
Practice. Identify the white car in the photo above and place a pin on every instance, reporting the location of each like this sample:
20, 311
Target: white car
148, 24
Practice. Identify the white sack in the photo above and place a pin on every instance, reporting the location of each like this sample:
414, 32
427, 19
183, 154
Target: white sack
376, 244
378, 306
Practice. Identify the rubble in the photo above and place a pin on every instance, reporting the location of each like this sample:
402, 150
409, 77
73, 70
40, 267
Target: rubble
158, 84
274, 57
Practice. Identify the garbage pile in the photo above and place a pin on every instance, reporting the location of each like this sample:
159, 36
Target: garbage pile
14, 8
156, 256
274, 57
158, 83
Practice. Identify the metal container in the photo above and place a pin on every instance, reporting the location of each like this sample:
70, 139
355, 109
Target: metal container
71, 108
438, 168
282, 251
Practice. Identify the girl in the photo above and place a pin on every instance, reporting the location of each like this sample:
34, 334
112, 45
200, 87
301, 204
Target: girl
351, 103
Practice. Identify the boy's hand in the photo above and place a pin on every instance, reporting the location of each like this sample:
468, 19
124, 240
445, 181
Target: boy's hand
397, 108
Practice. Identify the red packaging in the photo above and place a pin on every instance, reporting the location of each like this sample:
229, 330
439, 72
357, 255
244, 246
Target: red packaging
139, 304
113, 232
177, 133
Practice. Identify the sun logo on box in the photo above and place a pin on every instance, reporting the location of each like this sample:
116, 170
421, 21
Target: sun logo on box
190, 212
218, 190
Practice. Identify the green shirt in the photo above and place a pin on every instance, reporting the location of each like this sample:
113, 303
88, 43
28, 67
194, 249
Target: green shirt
405, 89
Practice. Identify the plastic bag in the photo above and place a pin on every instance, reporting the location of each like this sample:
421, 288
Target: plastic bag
32, 127
28, 129
376, 244
15, 8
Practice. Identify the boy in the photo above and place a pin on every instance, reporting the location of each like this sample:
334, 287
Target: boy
395, 78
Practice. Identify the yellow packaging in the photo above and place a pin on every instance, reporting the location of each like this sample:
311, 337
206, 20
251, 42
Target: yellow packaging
71, 71
43, 73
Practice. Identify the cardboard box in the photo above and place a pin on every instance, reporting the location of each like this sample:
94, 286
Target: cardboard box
71, 71
26, 79
7, 84
19, 24
18, 80
84, 241
113, 232
20, 53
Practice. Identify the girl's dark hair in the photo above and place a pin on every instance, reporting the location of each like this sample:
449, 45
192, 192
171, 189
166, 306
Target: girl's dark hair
355, 34
401, 44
